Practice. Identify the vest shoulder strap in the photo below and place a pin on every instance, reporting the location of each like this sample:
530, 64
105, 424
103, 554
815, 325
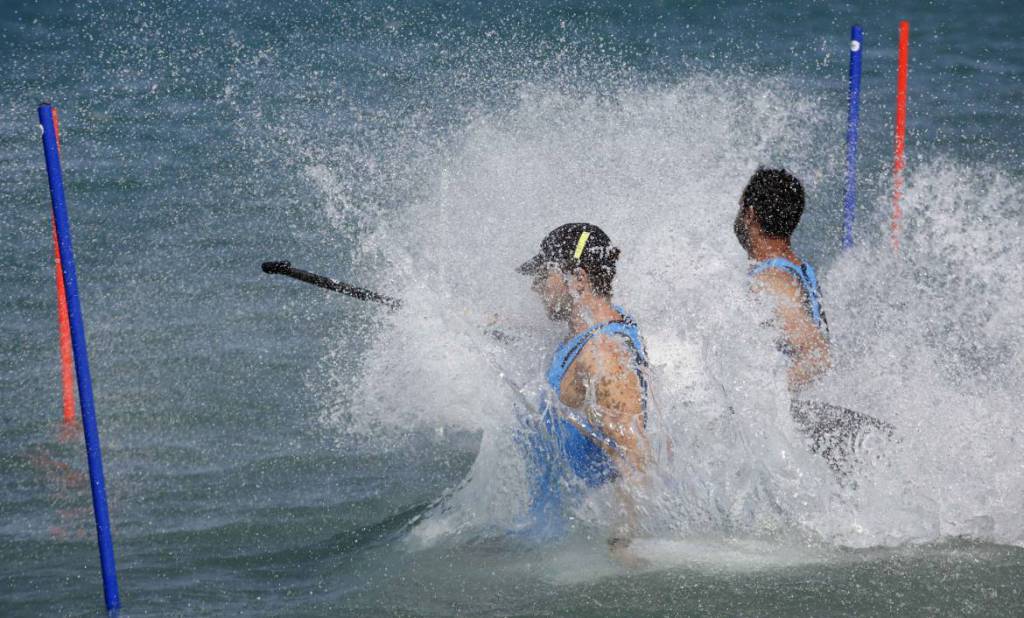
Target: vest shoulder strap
568, 351
804, 274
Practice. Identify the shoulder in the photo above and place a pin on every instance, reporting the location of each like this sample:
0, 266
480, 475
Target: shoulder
604, 353
779, 282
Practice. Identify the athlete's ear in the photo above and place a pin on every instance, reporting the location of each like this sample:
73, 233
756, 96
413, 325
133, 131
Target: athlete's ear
580, 279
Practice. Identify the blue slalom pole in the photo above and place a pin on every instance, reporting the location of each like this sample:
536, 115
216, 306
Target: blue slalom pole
92, 436
850, 201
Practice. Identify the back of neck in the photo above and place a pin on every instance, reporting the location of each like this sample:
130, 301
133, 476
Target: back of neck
592, 310
766, 248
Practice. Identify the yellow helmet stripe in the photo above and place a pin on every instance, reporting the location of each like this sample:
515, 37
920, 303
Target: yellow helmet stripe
580, 244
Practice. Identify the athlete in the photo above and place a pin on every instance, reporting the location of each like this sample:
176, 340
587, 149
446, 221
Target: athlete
770, 210
591, 429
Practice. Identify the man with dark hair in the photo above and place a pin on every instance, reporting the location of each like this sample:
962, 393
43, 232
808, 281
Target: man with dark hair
770, 209
591, 429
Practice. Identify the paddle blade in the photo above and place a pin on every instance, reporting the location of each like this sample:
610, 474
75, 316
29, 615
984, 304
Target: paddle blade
276, 268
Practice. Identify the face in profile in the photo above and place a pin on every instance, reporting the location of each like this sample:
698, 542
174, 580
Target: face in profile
552, 286
741, 227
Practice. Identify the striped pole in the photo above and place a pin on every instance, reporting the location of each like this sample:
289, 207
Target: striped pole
850, 200
899, 161
77, 326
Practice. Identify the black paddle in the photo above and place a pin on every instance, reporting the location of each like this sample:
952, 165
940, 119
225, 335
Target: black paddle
285, 268
837, 433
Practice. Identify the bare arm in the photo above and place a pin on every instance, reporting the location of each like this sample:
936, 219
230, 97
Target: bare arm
810, 348
604, 383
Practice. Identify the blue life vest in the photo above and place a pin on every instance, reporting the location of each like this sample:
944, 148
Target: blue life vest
567, 442
804, 274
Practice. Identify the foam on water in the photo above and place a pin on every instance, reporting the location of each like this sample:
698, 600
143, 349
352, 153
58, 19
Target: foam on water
928, 339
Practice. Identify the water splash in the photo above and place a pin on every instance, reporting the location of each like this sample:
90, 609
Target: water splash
926, 340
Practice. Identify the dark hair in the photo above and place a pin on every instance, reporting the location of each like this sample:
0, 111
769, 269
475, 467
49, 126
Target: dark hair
777, 198
599, 265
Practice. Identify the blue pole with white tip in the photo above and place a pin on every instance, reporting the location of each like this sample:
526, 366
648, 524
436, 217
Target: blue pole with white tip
850, 200
47, 120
